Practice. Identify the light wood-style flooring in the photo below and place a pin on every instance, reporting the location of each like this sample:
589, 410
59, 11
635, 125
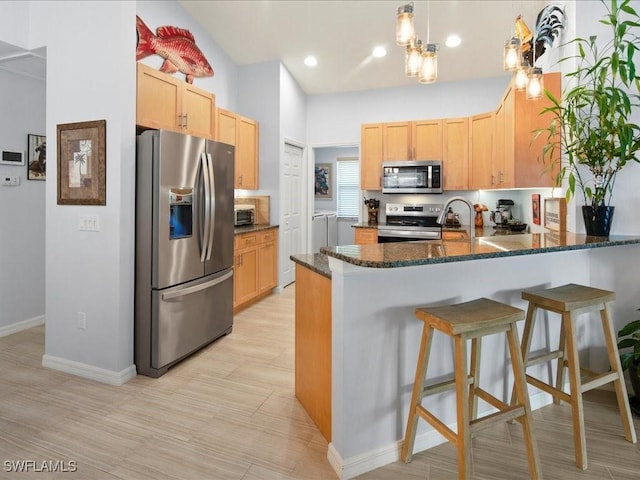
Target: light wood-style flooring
229, 412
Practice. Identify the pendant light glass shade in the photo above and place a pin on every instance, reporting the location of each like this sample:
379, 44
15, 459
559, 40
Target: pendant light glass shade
512, 57
429, 67
521, 78
405, 30
535, 88
413, 59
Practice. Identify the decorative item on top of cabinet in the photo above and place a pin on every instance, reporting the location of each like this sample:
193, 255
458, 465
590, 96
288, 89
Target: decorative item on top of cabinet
455, 160
165, 102
178, 48
242, 132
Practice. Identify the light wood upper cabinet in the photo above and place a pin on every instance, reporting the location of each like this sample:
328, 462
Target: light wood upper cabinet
455, 160
517, 162
243, 133
226, 126
247, 154
426, 136
481, 132
371, 141
164, 102
397, 141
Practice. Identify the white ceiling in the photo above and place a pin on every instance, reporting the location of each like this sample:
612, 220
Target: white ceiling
342, 34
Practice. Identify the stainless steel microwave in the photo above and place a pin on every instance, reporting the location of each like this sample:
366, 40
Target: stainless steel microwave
420, 176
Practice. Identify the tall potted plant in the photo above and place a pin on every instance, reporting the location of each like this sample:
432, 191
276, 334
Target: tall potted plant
592, 122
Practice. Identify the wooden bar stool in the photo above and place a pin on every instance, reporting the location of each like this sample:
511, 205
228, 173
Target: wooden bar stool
567, 300
463, 321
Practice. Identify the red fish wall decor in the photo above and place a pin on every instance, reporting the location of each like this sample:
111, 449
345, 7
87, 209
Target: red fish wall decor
178, 48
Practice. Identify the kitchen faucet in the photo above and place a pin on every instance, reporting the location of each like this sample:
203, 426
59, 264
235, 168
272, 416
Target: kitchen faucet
443, 213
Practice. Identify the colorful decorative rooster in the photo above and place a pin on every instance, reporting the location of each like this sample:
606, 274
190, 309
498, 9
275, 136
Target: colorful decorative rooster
548, 25
178, 48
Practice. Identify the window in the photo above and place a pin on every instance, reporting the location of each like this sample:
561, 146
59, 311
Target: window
348, 186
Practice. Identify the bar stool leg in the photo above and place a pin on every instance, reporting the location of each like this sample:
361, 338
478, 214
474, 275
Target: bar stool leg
577, 408
474, 371
529, 323
463, 436
522, 396
621, 389
562, 363
418, 393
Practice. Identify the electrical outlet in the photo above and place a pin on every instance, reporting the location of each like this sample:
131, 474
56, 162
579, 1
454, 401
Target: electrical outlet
89, 223
82, 320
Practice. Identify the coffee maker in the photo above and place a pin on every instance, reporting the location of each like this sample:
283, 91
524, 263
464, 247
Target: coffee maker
503, 213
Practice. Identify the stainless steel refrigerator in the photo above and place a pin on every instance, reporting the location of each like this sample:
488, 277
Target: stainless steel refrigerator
184, 247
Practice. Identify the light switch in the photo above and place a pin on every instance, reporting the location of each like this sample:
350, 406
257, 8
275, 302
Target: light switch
10, 180
89, 223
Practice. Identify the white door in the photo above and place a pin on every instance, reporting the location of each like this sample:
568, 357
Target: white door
292, 200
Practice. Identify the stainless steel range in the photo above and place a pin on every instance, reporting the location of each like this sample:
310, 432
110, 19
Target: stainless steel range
410, 222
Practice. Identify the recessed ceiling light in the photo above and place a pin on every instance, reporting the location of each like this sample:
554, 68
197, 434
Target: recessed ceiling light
453, 41
379, 52
310, 61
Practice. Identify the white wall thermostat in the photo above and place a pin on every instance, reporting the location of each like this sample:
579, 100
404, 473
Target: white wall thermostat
10, 180
12, 157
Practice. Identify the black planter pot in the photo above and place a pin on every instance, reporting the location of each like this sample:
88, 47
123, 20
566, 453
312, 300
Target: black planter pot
635, 380
597, 220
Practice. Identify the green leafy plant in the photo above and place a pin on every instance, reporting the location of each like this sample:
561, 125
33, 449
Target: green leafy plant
591, 123
629, 337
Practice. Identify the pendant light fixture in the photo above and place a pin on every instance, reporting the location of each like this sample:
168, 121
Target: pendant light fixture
405, 29
413, 59
512, 57
535, 87
429, 67
521, 77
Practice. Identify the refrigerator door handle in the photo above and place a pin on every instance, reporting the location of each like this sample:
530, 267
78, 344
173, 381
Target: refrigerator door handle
212, 205
196, 288
206, 241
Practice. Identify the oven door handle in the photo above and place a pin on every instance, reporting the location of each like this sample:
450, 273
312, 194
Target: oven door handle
409, 234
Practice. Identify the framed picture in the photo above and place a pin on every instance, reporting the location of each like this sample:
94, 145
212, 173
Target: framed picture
82, 163
535, 208
36, 157
555, 214
323, 181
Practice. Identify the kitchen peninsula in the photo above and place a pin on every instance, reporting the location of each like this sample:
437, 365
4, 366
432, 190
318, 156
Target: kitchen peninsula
374, 337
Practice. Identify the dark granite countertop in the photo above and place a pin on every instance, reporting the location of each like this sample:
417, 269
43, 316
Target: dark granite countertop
405, 254
317, 262
485, 231
364, 225
252, 228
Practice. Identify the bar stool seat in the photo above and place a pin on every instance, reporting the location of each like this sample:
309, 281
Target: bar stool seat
463, 321
567, 300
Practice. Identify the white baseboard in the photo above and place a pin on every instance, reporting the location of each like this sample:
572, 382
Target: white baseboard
353, 466
89, 371
23, 325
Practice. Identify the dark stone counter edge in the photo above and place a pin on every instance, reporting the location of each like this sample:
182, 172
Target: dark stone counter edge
316, 262
252, 229
474, 256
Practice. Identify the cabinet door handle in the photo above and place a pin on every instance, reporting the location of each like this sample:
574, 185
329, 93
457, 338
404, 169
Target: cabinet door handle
186, 120
180, 121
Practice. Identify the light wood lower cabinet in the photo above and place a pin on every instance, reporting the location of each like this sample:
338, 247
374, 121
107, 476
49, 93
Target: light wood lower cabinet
313, 347
366, 236
255, 267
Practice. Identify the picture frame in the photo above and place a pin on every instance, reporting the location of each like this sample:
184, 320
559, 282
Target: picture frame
323, 181
535, 208
82, 163
36, 157
555, 214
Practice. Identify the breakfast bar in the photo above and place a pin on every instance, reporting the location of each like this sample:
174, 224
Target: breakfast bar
374, 335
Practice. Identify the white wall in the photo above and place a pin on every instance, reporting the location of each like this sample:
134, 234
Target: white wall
22, 208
